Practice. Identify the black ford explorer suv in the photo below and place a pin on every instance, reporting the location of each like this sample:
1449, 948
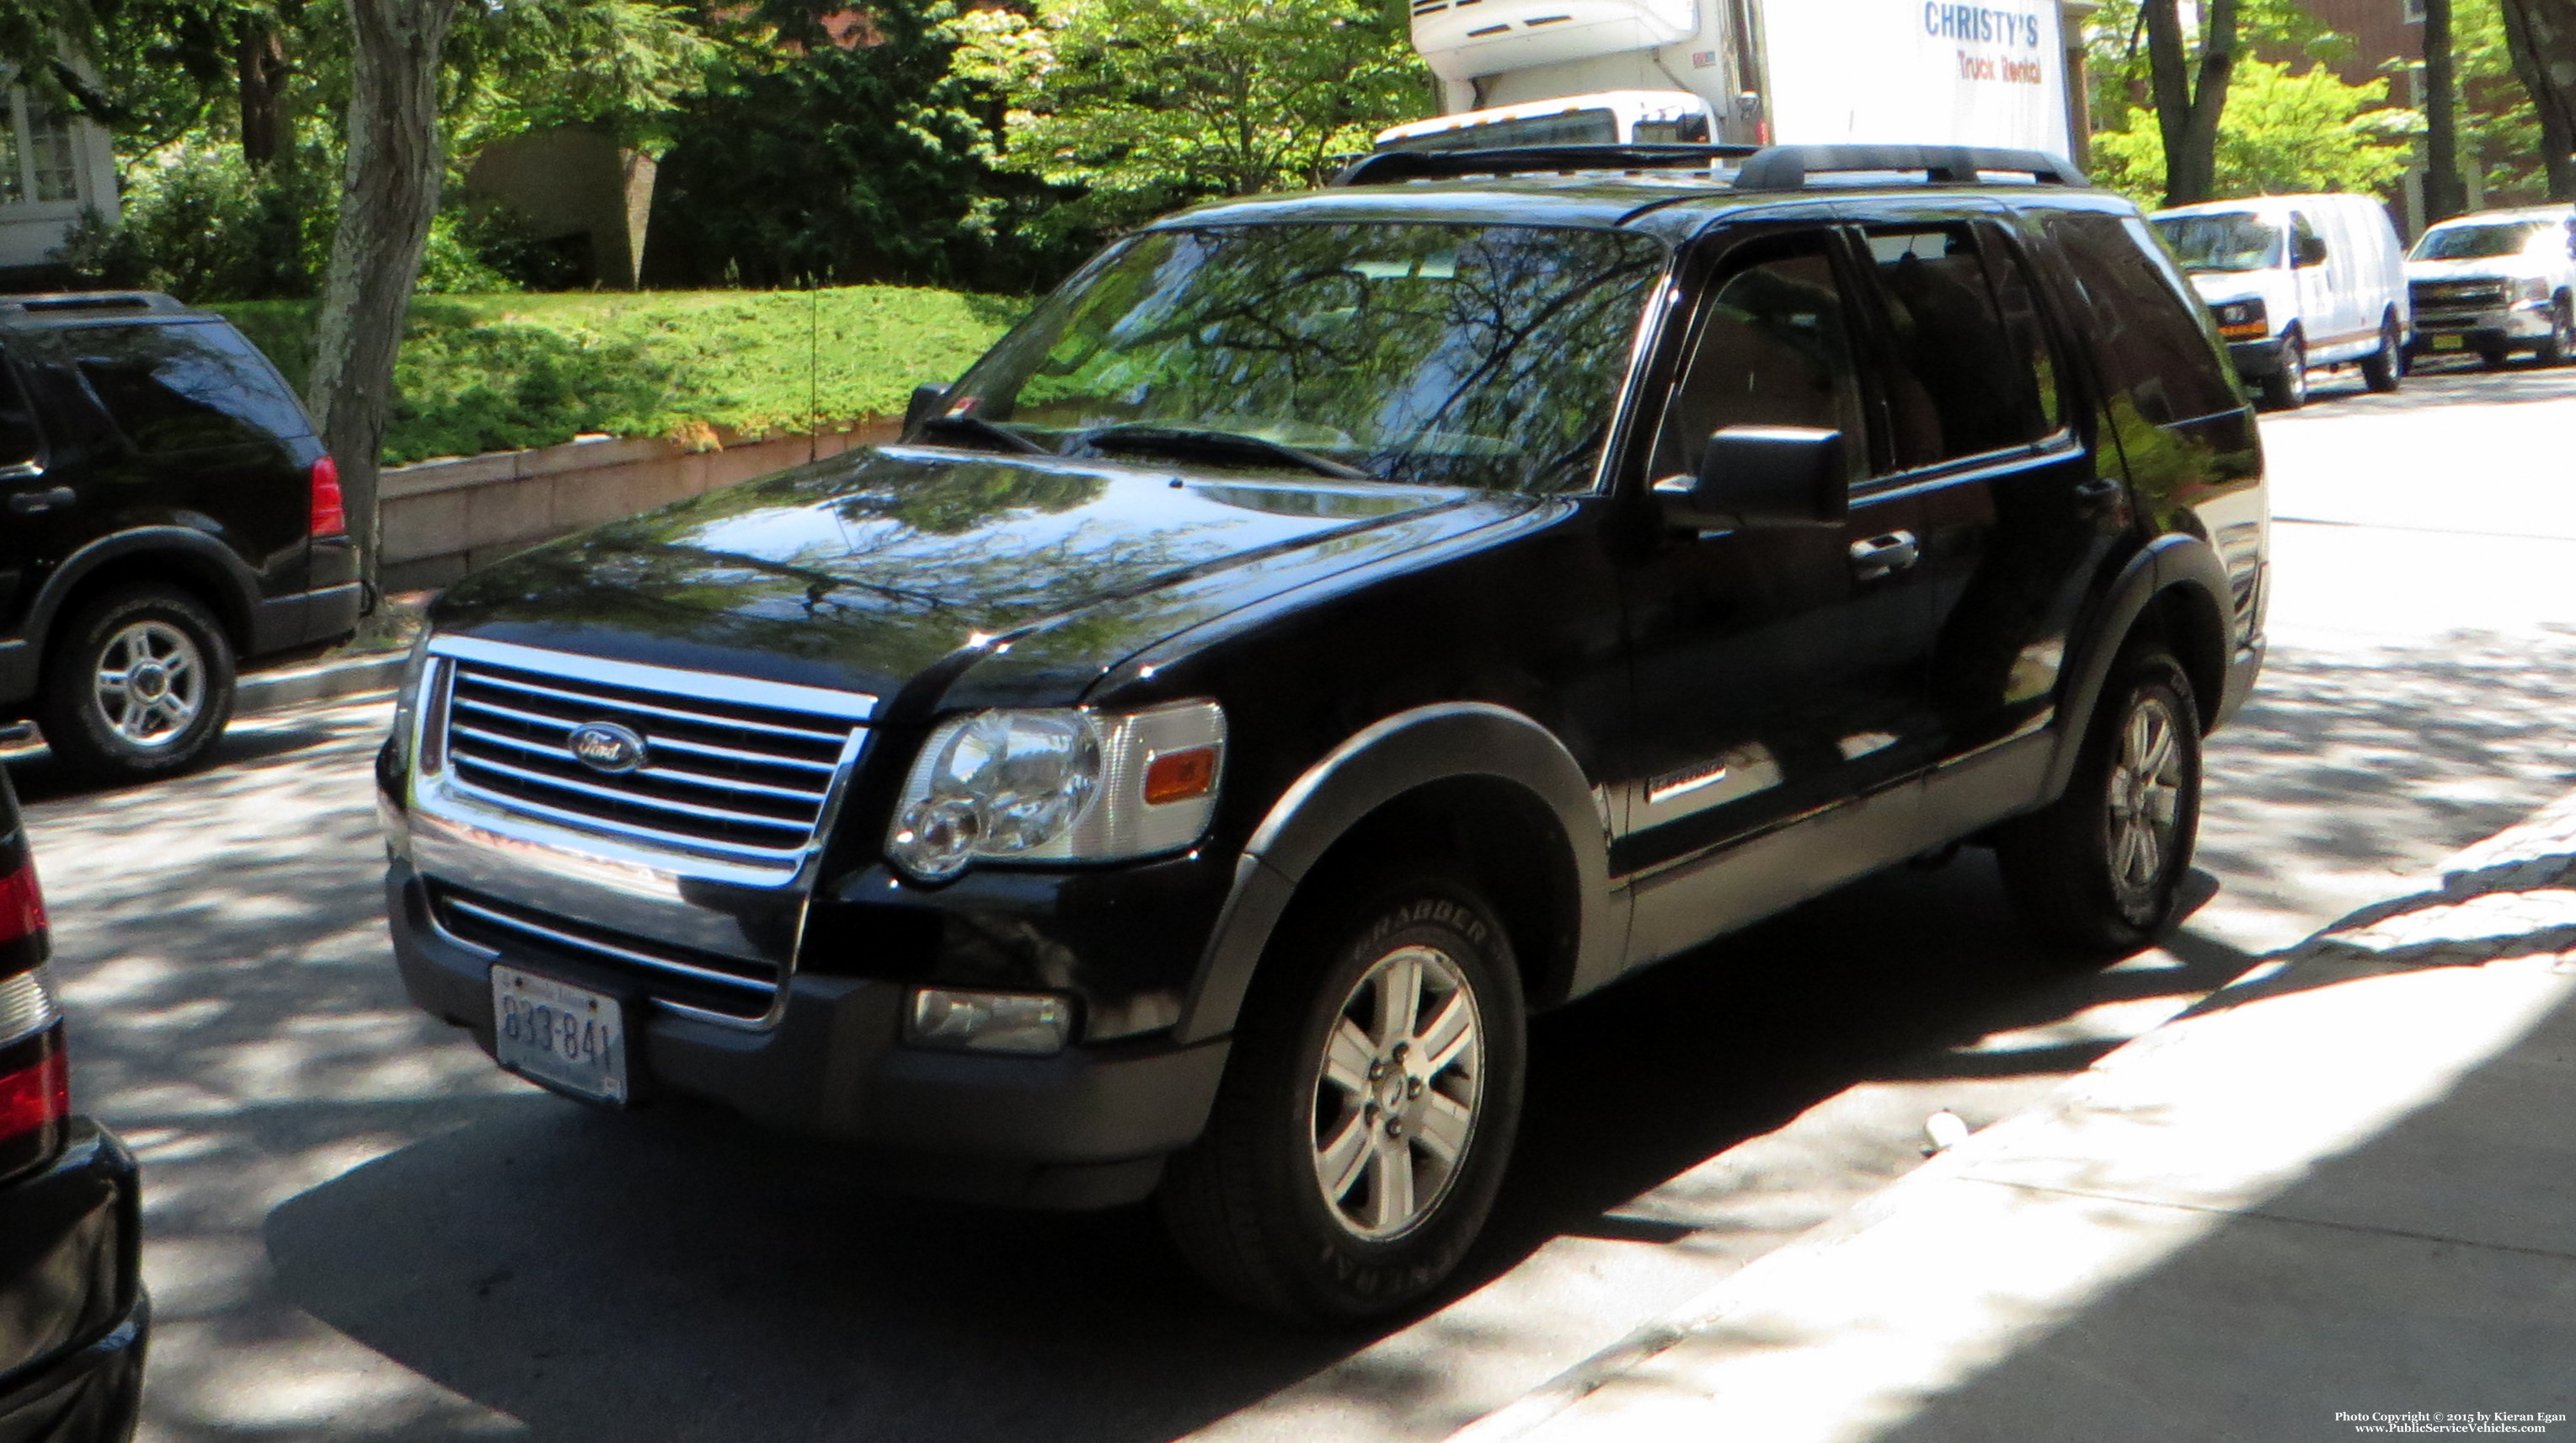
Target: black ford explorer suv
72, 1309
1329, 628
166, 515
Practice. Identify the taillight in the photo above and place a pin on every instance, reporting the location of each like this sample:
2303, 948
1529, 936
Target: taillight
22, 906
330, 513
37, 1096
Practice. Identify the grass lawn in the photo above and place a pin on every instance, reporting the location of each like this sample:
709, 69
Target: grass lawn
493, 373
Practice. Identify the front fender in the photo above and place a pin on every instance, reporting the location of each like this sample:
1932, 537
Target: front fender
1395, 756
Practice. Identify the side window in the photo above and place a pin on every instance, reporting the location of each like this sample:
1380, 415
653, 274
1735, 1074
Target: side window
1963, 381
185, 387
1773, 348
2149, 337
2303, 238
19, 440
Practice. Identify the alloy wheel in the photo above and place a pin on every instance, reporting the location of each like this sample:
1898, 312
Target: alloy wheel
2145, 803
1397, 1092
150, 684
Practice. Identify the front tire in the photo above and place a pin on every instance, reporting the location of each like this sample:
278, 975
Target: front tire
2561, 342
2102, 868
139, 684
2383, 369
2287, 388
1367, 1114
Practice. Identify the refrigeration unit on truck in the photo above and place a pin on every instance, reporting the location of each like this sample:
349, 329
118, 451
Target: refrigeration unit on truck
1763, 72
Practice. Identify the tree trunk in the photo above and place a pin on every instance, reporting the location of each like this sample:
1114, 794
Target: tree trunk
393, 179
2541, 35
262, 66
2445, 193
2188, 116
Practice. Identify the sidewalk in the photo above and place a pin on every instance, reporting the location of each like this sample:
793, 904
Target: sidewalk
2344, 1186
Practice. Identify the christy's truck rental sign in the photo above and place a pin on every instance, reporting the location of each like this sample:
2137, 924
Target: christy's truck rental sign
1916, 71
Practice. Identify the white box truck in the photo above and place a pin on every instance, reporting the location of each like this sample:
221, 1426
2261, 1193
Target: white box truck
1788, 72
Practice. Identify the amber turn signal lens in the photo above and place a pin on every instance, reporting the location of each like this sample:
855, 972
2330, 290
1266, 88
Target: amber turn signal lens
1180, 776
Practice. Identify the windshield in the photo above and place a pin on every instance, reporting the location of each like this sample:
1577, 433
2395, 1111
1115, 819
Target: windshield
2228, 240
1483, 356
1573, 127
2476, 242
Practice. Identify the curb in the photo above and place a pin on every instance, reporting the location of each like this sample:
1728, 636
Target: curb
271, 691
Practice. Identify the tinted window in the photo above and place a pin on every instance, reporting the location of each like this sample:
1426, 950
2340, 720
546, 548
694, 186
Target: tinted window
188, 387
18, 438
1962, 382
2148, 335
1773, 349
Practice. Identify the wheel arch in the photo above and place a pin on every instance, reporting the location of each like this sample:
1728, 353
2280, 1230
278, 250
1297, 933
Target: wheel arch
2171, 590
1487, 785
194, 562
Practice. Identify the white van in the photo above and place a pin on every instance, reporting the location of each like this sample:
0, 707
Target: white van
2298, 281
2498, 282
1612, 117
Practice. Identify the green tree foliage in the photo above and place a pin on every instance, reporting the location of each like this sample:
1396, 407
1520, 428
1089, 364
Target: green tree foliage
847, 157
2285, 133
1149, 104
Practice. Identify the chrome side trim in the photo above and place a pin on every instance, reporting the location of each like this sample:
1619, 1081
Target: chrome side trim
853, 705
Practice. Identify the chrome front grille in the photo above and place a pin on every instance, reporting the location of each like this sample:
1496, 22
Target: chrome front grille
681, 977
2457, 295
727, 766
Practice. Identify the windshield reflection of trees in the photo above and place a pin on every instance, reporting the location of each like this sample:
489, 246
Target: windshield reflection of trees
1446, 355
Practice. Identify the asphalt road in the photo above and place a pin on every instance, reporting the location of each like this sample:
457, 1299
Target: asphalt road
360, 1230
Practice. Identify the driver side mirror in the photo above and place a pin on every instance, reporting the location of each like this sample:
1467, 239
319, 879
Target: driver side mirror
1762, 478
2312, 251
928, 400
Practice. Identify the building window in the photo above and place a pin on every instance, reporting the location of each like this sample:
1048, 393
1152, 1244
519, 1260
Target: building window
40, 153
13, 188
2414, 10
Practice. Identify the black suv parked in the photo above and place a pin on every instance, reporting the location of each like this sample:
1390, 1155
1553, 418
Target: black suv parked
168, 516
1328, 628
72, 1308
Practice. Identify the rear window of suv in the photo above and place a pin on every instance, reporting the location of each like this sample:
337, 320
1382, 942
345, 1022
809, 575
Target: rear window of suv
192, 386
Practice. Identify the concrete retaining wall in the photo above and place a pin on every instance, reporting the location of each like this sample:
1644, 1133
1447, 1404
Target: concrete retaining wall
444, 518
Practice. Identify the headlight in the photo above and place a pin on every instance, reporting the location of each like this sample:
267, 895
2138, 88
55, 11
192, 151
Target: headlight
1070, 785
2533, 289
2236, 314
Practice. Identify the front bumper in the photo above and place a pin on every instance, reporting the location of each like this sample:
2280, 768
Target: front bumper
1087, 1128
2256, 360
2517, 327
73, 1314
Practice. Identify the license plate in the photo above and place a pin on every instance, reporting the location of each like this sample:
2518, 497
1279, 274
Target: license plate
2450, 343
564, 1036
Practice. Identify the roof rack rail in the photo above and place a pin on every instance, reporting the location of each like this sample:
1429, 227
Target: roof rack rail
43, 303
1778, 167
1388, 166
1787, 167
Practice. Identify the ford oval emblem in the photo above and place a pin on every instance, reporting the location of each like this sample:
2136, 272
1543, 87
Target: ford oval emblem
606, 747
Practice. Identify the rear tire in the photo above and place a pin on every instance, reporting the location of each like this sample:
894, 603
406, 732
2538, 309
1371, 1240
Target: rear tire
2102, 868
2287, 388
138, 684
1359, 1138
2382, 370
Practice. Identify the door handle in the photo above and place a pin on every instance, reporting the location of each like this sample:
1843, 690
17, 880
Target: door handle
1885, 555
36, 503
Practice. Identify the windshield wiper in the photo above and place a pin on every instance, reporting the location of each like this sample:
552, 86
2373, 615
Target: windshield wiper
1009, 439
1183, 441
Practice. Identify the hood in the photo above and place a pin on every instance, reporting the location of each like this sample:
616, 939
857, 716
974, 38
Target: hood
863, 571
2218, 288
2478, 268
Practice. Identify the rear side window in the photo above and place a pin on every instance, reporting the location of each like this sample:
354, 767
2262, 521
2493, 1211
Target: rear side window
192, 387
18, 438
1966, 379
2149, 335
